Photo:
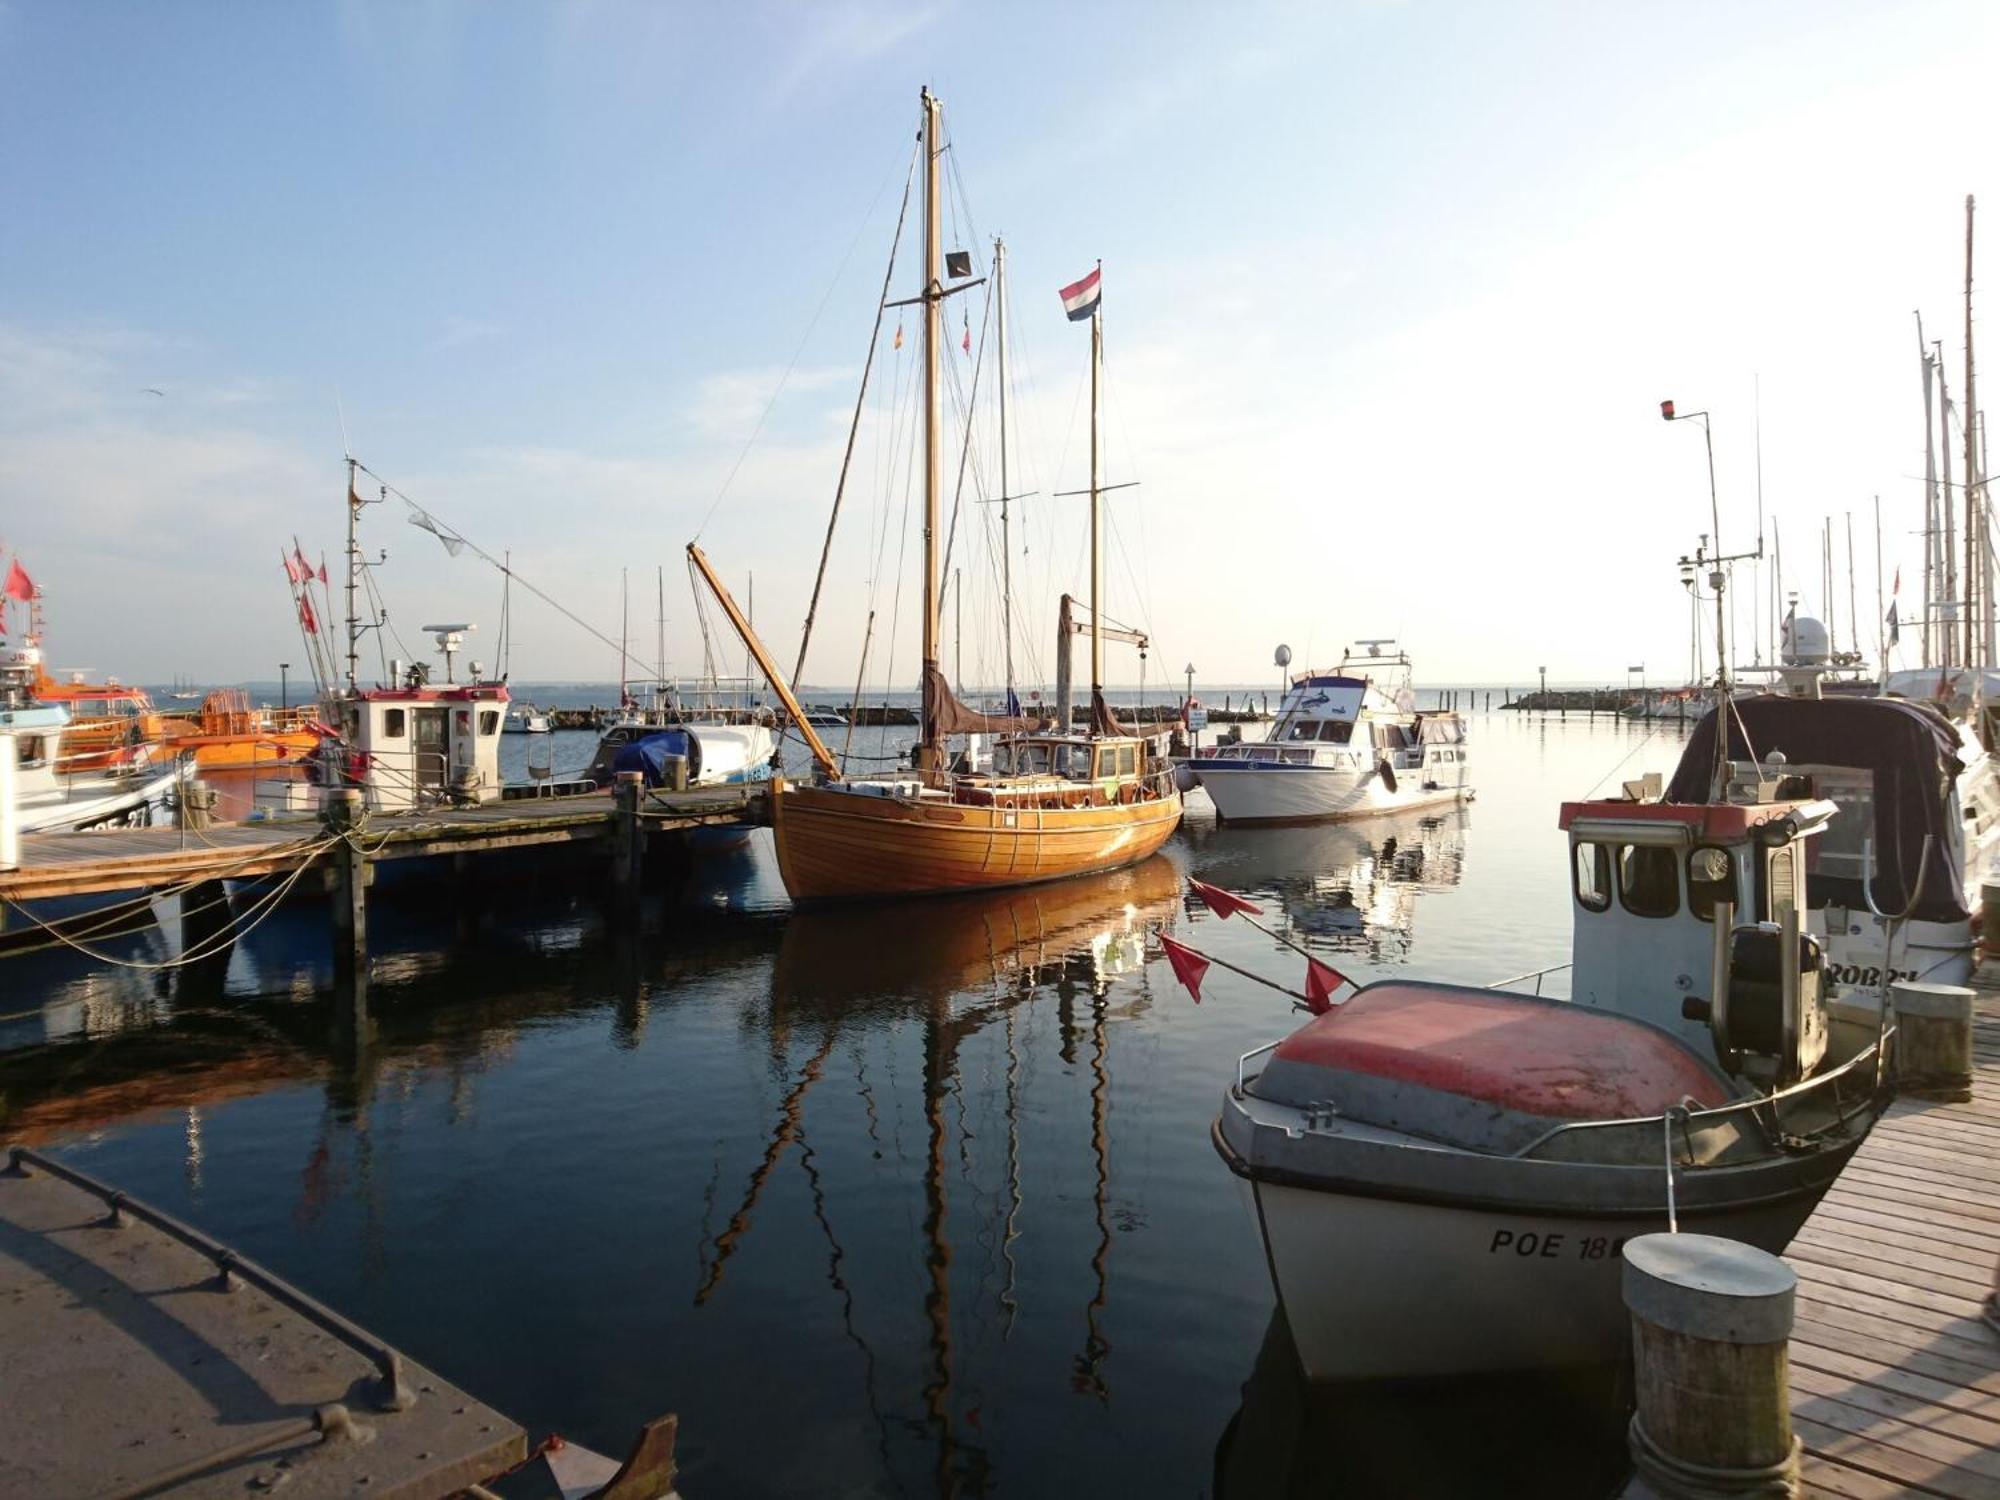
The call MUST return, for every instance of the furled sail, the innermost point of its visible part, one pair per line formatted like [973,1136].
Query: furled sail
[942,708]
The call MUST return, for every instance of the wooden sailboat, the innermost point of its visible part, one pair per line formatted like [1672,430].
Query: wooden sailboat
[1053,805]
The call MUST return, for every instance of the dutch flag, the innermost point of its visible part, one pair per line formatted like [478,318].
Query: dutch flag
[1080,298]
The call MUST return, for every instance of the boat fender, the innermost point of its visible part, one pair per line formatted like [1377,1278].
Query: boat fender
[1388,774]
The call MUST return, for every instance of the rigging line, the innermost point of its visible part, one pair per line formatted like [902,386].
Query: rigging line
[965,448]
[804,340]
[854,428]
[491,561]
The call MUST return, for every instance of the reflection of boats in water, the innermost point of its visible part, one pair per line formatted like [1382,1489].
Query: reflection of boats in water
[1351,886]
[1293,1441]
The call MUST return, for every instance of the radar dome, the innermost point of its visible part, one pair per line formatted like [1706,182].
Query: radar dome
[1803,642]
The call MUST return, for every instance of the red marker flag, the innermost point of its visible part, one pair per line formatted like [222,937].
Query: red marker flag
[308,621]
[968,335]
[1323,981]
[19,585]
[322,568]
[291,569]
[1189,966]
[1221,902]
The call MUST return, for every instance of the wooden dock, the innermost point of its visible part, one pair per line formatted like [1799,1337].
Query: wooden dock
[1895,1368]
[106,860]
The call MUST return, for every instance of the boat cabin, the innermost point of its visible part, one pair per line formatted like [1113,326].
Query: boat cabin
[421,745]
[1336,721]
[1041,770]
[1691,917]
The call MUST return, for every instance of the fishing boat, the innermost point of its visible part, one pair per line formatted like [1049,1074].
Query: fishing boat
[525,718]
[46,796]
[1347,744]
[226,733]
[1053,804]
[1444,1175]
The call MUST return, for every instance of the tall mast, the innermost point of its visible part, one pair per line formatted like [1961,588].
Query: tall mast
[1948,634]
[1930,502]
[1006,546]
[927,756]
[353,582]
[1975,499]
[1096,517]
[624,630]
[660,642]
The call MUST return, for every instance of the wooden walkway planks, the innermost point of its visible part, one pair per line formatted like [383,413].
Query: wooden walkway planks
[1895,1372]
[99,861]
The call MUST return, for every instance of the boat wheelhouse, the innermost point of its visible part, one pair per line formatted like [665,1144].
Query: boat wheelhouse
[420,745]
[1444,1176]
[1347,743]
[47,793]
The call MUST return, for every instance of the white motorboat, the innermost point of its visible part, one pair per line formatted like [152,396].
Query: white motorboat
[525,718]
[1347,744]
[715,725]
[46,799]
[1444,1176]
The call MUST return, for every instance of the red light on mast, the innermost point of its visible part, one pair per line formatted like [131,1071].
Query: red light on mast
[1667,410]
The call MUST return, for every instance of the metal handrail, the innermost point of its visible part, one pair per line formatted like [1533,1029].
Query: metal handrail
[1243,1061]
[393,1394]
[1535,974]
[1804,1086]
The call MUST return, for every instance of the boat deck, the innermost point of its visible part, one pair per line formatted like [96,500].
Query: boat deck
[132,1371]
[103,860]
[1895,1370]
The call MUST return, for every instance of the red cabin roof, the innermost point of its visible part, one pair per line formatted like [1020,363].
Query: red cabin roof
[1711,822]
[1538,1057]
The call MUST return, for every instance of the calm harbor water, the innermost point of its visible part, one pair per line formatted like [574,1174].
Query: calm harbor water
[908,1199]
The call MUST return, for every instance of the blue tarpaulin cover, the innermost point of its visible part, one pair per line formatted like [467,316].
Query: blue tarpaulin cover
[649,755]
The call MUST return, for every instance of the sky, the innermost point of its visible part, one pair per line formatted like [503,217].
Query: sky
[1392,293]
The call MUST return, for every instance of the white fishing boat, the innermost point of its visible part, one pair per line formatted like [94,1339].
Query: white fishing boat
[525,718]
[46,798]
[1348,743]
[1444,1175]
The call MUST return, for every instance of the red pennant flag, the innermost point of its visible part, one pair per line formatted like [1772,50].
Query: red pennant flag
[1221,902]
[19,585]
[1322,982]
[322,568]
[1189,966]
[899,337]
[305,568]
[307,619]
[968,335]
[291,569]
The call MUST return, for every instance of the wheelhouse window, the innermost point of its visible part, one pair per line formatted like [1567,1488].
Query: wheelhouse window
[395,723]
[1593,876]
[1649,881]
[1128,760]
[489,721]
[1711,881]
[1073,761]
[1306,729]
[1334,732]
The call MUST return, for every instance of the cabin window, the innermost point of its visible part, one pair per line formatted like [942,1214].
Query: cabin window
[1128,760]
[1711,880]
[489,721]
[395,723]
[1073,761]
[1593,877]
[1303,731]
[1649,880]
[1780,886]
[32,750]
[1336,733]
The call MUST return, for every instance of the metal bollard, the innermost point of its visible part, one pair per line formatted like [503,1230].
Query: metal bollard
[1933,1045]
[675,768]
[1710,1323]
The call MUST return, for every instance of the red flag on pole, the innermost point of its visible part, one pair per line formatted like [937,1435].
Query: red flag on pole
[1221,902]
[307,619]
[291,569]
[1189,966]
[19,585]
[1323,981]
[305,568]
[322,568]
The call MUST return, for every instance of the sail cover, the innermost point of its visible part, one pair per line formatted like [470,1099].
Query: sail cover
[1912,753]
[943,710]
[1102,719]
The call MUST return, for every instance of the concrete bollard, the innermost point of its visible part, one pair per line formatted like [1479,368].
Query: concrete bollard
[1710,1323]
[1933,1039]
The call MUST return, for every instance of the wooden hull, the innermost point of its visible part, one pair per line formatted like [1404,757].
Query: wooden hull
[841,845]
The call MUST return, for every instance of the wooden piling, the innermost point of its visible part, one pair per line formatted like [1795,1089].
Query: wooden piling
[1710,1321]
[1933,1040]
[675,768]
[344,812]
[628,843]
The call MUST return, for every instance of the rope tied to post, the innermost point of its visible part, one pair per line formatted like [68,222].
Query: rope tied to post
[1686,1480]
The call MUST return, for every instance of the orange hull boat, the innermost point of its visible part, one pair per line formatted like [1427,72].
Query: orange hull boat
[836,843]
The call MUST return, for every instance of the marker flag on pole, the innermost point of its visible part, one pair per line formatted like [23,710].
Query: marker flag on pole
[1080,298]
[19,585]
[308,621]
[322,568]
[1189,966]
[1221,902]
[292,574]
[1323,982]
[1894,629]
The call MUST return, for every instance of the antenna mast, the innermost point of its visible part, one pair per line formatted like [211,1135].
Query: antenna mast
[353,583]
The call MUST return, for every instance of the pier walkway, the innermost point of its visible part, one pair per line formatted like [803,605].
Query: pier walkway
[106,860]
[1895,1369]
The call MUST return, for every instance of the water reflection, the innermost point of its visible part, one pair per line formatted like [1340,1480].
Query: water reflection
[1553,1436]
[1344,887]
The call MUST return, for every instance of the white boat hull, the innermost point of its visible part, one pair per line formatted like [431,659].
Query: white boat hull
[1379,1288]
[1248,793]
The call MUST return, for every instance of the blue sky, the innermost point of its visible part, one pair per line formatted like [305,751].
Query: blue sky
[1392,294]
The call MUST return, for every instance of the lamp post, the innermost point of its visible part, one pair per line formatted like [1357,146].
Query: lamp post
[1187,707]
[1545,688]
[284,690]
